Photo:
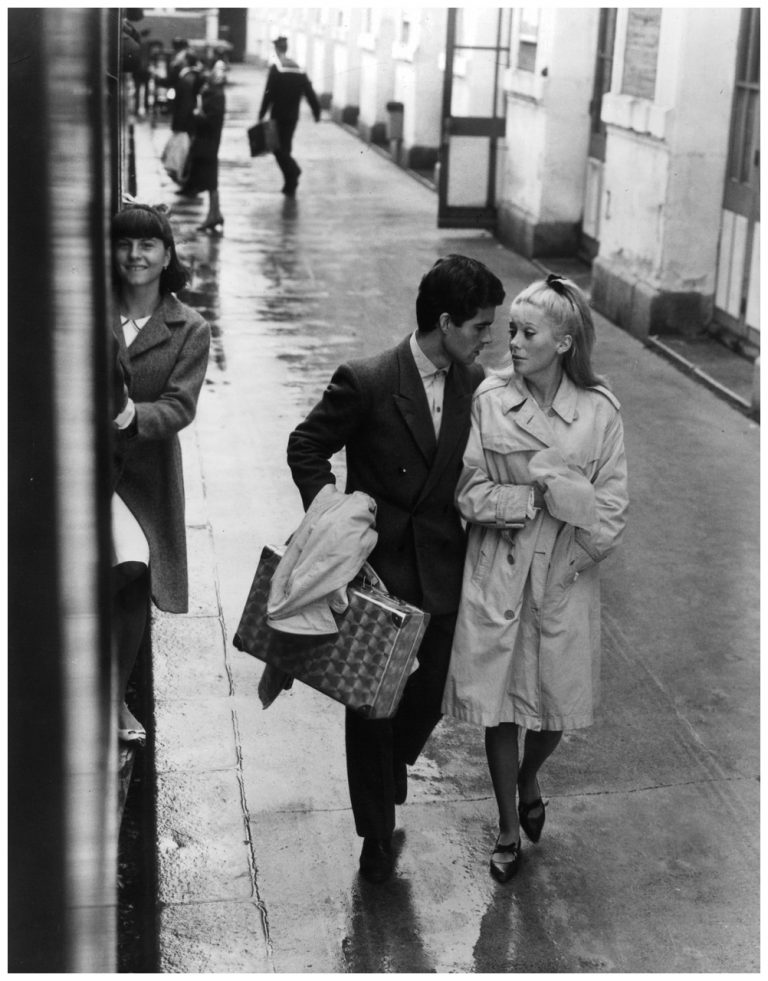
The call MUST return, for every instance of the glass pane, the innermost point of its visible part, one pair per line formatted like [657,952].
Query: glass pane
[478,85]
[749,132]
[742,54]
[754,59]
[526,56]
[469,157]
[641,51]
[737,128]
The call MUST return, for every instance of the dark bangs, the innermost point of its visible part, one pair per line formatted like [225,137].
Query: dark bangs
[138,221]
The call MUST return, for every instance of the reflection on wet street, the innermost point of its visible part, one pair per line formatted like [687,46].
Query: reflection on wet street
[291,289]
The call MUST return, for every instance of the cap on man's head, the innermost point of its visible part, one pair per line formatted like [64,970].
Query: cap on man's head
[281,43]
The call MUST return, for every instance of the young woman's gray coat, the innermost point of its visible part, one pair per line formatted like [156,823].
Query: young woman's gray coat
[167,364]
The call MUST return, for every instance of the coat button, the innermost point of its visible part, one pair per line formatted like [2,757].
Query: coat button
[509,614]
[511,558]
[402,470]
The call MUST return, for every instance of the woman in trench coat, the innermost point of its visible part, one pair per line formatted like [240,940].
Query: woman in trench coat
[544,492]
[164,350]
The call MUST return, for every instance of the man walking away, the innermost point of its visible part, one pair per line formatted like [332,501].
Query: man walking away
[286,84]
[403,417]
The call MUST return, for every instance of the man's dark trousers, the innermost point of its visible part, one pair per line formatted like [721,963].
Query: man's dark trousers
[374,746]
[286,163]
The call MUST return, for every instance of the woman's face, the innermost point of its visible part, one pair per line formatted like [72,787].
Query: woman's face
[140,261]
[534,342]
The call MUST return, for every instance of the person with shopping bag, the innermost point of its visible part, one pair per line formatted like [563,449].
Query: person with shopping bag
[286,85]
[403,418]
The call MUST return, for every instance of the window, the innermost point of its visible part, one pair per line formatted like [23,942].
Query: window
[641,52]
[405,29]
[743,151]
[528,39]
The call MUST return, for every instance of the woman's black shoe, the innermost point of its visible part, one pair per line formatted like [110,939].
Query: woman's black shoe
[531,823]
[217,226]
[505,860]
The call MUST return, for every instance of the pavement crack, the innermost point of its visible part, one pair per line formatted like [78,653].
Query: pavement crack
[251,850]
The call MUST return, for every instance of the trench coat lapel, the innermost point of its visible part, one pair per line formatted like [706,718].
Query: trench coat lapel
[530,418]
[411,402]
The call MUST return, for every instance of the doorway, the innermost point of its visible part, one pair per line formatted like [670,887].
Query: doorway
[737,290]
[473,119]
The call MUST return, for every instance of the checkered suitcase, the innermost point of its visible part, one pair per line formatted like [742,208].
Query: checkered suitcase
[365,666]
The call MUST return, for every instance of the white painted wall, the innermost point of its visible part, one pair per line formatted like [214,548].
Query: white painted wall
[377,75]
[665,160]
[418,82]
[548,118]
[346,60]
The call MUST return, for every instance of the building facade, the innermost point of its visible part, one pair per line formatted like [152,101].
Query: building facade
[628,136]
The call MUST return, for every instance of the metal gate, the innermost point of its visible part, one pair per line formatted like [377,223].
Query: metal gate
[737,293]
[473,124]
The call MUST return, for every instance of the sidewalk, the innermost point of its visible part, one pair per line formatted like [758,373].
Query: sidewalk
[652,827]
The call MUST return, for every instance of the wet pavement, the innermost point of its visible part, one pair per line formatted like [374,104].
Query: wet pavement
[649,859]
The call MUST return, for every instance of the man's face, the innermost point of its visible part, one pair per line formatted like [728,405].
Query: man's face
[463,344]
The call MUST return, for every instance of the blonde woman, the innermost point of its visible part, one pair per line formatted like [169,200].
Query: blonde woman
[544,492]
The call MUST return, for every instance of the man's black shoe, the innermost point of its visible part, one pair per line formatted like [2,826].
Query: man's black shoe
[401,782]
[376,860]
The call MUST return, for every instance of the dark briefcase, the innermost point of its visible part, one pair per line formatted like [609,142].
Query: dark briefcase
[263,138]
[365,666]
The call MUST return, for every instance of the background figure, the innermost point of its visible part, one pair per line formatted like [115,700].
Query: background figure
[188,81]
[544,492]
[164,349]
[203,167]
[180,47]
[141,75]
[286,84]
[158,72]
[403,417]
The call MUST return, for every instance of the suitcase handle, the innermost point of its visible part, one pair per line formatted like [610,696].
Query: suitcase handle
[368,577]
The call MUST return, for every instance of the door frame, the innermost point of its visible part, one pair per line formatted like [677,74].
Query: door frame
[492,128]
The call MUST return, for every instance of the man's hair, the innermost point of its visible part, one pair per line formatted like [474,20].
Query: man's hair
[458,286]
[281,44]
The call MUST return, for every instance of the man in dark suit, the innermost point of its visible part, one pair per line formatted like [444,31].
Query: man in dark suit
[403,417]
[286,84]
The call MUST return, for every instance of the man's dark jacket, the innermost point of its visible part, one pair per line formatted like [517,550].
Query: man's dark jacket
[378,410]
[286,84]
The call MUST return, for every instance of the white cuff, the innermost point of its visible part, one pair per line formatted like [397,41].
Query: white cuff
[125,418]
